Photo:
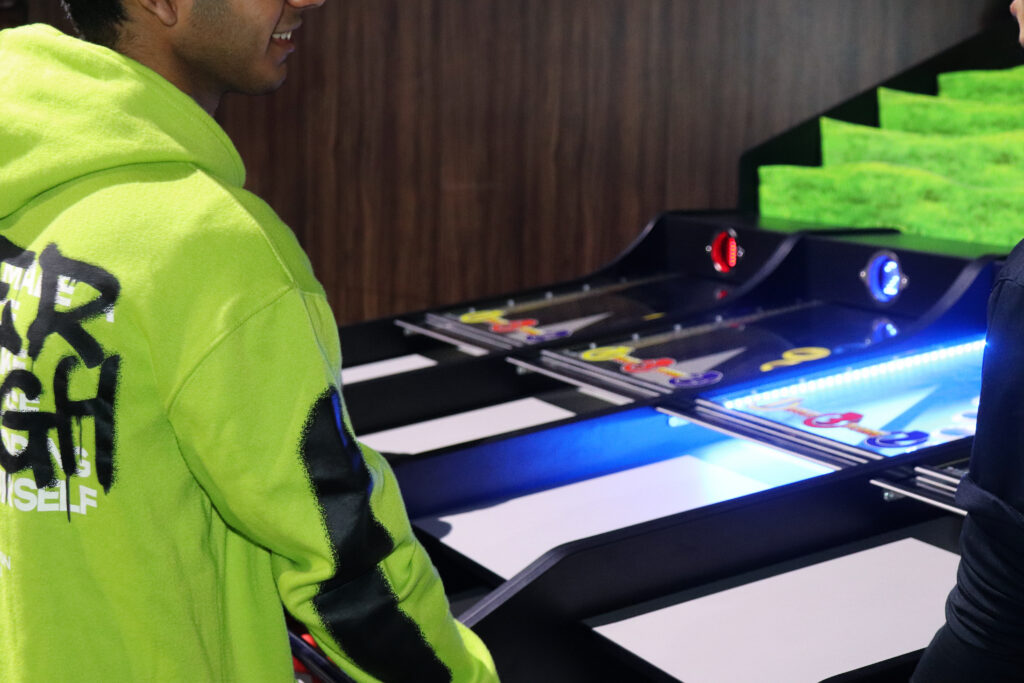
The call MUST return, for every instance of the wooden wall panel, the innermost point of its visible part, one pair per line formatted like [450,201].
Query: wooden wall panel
[13,13]
[427,151]
[598,120]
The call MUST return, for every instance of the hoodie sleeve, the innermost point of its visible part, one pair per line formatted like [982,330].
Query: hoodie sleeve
[983,638]
[262,425]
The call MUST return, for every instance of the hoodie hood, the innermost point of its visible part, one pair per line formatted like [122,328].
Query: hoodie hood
[69,108]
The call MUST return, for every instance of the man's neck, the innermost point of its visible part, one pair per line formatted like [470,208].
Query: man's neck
[150,48]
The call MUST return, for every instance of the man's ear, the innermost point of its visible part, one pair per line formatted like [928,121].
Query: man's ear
[167,12]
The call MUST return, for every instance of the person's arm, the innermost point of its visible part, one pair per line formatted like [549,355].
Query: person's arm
[983,639]
[263,428]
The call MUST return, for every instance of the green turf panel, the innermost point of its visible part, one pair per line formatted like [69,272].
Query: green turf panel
[1002,85]
[872,194]
[992,160]
[913,113]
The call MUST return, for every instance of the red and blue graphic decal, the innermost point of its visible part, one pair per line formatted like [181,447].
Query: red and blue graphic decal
[848,420]
[496,322]
[632,365]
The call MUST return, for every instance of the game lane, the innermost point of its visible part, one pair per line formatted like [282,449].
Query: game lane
[919,399]
[680,265]
[665,361]
[586,312]
[681,359]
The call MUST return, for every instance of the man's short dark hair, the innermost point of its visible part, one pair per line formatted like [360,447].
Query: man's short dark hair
[97,20]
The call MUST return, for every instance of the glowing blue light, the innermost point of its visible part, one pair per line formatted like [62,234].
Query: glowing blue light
[884,277]
[883,329]
[807,386]
[891,278]
[675,421]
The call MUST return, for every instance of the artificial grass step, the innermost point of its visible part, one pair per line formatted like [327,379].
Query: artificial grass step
[914,113]
[989,160]
[1001,85]
[872,194]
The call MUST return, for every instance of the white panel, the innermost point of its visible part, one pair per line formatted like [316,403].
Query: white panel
[804,625]
[474,424]
[506,537]
[383,368]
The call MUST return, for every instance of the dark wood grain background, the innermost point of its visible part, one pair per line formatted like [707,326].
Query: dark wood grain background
[427,151]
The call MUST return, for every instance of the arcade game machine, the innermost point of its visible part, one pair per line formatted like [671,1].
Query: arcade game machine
[728,530]
[580,517]
[801,581]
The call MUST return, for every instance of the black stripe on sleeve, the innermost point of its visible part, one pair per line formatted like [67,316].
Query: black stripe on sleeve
[358,606]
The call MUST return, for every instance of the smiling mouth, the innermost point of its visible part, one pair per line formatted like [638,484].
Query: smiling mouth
[287,35]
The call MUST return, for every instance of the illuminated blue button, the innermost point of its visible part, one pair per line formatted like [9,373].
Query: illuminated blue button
[884,277]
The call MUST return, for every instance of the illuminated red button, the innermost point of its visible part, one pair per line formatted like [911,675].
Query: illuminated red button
[725,251]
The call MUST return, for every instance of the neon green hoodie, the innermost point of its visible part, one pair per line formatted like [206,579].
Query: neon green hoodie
[175,459]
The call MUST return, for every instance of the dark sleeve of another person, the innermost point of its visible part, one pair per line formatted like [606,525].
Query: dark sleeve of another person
[983,639]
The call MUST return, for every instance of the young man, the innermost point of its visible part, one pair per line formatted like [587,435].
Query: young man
[176,461]
[983,639]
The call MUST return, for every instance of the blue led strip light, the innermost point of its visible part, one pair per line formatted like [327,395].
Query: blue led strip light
[804,387]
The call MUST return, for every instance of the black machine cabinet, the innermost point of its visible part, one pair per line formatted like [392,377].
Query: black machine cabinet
[540,608]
